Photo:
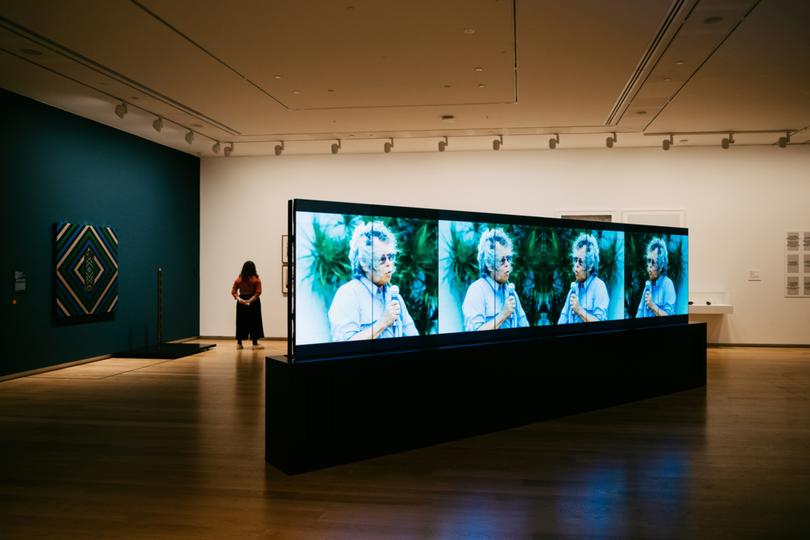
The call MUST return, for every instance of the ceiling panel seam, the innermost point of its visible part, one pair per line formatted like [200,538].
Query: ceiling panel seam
[209,53]
[286,107]
[700,66]
[77,57]
[647,63]
[403,106]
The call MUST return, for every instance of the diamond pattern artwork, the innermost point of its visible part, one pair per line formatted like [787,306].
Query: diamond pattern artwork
[86,270]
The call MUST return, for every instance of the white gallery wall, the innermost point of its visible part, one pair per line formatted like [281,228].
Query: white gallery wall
[738,204]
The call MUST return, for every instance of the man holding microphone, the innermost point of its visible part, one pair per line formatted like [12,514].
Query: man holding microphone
[588,297]
[659,295]
[491,301]
[368,306]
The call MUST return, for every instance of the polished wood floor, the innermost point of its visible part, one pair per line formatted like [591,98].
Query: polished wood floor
[174,450]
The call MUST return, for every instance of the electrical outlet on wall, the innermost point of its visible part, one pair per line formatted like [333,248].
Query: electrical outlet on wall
[754,275]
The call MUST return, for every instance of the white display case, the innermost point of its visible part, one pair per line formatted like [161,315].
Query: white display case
[719,303]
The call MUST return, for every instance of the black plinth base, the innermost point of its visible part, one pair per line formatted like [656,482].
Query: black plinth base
[326,412]
[167,351]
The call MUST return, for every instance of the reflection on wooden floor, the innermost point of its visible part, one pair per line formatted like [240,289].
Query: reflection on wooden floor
[175,450]
[99,370]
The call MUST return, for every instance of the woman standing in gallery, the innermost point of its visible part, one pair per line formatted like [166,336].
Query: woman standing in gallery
[246,291]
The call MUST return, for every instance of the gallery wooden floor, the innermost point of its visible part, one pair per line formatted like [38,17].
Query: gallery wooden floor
[135,449]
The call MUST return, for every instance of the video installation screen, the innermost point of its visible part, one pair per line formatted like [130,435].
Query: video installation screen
[498,276]
[656,274]
[365,273]
[361,277]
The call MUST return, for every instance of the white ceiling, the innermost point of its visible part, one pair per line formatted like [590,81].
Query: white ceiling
[257,72]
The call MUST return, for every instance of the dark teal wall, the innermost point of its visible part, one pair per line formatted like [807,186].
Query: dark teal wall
[59,167]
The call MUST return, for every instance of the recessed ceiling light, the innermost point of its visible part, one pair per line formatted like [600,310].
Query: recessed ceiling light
[277,77]
[667,79]
[447,86]
[481,85]
[679,62]
[31,52]
[448,118]
[469,31]
[712,20]
[296,92]
[330,89]
[641,112]
[479,69]
[683,140]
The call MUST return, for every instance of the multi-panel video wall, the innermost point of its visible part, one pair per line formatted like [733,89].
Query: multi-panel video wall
[370,277]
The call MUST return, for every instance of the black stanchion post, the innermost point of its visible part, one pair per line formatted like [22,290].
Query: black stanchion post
[159,306]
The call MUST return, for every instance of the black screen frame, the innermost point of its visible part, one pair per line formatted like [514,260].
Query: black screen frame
[337,350]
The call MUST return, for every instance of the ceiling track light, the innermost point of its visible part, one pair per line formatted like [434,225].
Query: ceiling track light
[388,146]
[726,141]
[279,148]
[228,150]
[190,137]
[158,124]
[337,146]
[497,143]
[215,148]
[610,141]
[121,110]
[443,144]
[554,141]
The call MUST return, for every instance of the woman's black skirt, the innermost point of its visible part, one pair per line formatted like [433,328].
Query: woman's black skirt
[249,319]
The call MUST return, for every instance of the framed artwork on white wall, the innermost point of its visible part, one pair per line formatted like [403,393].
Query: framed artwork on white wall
[603,216]
[285,280]
[285,249]
[665,218]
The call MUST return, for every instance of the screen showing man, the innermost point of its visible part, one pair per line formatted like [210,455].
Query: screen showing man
[657,274]
[369,306]
[588,297]
[659,296]
[491,302]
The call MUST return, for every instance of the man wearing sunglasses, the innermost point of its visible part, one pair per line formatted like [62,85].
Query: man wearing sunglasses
[491,301]
[588,298]
[659,295]
[368,306]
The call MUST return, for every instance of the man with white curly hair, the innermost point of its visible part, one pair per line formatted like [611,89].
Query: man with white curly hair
[659,295]
[491,301]
[588,297]
[368,306]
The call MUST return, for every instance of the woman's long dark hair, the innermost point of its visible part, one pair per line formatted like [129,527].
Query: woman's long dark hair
[248,271]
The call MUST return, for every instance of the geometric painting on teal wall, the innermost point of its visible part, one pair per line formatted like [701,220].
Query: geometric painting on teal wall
[86,270]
